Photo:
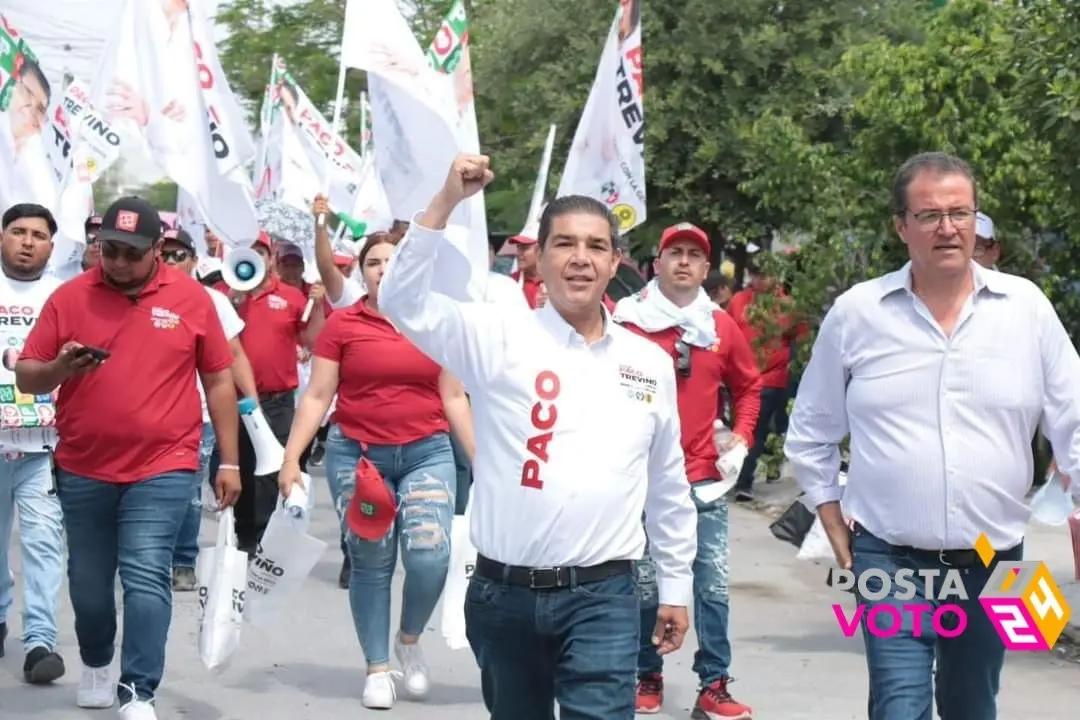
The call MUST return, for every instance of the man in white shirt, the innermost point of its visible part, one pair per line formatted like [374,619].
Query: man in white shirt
[178,250]
[28,433]
[581,435]
[940,372]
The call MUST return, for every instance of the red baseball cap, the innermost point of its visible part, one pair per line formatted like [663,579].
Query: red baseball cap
[342,260]
[685,231]
[373,507]
[522,240]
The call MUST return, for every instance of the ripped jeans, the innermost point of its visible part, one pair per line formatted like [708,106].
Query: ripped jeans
[711,608]
[423,477]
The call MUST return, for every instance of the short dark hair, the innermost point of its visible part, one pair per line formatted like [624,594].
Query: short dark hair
[29,210]
[31,67]
[576,205]
[714,281]
[934,162]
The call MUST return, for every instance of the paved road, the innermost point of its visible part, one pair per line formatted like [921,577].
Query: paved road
[791,662]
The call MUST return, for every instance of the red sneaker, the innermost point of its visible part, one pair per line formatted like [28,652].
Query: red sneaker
[715,703]
[650,694]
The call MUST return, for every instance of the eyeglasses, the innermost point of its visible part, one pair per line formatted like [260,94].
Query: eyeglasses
[930,219]
[112,251]
[682,358]
[175,256]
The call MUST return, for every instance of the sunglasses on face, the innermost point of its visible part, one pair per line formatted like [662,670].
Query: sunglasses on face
[175,256]
[112,251]
[682,358]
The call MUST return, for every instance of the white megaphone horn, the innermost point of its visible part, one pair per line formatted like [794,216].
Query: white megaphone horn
[269,455]
[243,269]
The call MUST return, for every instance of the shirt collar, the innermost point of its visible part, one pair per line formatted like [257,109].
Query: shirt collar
[271,286]
[165,274]
[988,280]
[562,331]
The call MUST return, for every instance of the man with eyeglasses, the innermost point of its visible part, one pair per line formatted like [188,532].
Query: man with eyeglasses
[92,254]
[709,353]
[178,250]
[987,251]
[122,342]
[939,372]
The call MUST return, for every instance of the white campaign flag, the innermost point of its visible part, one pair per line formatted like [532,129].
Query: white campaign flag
[414,123]
[449,55]
[153,80]
[607,157]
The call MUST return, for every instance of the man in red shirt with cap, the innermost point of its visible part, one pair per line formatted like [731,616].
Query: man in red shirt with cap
[527,276]
[774,358]
[122,342]
[709,353]
[273,329]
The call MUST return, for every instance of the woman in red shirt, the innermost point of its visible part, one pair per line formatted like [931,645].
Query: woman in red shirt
[395,407]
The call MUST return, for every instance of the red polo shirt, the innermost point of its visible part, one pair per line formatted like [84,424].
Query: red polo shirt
[139,414]
[388,391]
[775,356]
[728,363]
[273,327]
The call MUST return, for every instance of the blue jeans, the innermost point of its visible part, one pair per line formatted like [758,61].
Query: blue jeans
[421,474]
[187,541]
[773,418]
[26,486]
[968,666]
[711,600]
[577,645]
[131,528]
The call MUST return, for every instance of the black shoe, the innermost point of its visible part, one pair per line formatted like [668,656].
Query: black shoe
[42,666]
[3,637]
[317,455]
[346,571]
[743,496]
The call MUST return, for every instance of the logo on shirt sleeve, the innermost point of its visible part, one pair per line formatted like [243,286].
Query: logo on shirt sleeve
[164,319]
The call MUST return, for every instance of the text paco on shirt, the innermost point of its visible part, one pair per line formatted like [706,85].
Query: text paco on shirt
[578,439]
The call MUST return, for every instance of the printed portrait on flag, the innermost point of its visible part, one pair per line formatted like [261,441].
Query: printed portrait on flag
[28,110]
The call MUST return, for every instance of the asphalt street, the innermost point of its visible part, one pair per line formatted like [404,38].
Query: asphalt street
[790,660]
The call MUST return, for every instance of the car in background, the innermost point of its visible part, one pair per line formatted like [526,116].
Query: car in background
[627,281]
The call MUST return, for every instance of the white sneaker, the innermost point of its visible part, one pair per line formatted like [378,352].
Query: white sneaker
[414,668]
[379,691]
[138,710]
[96,690]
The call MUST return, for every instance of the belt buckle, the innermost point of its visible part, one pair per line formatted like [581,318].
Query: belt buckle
[543,578]
[942,558]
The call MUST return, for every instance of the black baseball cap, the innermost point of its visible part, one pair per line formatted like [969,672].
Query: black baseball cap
[132,221]
[179,235]
[92,223]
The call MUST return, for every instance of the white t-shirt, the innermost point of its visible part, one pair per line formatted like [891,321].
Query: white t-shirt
[231,324]
[27,422]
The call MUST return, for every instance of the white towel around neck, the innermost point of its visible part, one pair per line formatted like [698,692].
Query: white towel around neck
[652,312]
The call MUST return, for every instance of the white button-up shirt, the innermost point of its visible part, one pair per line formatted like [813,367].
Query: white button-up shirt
[575,440]
[941,427]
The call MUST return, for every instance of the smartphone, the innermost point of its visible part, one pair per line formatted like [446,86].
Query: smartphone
[98,354]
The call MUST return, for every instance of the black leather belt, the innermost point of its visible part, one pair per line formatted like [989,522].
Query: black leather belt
[551,578]
[962,559]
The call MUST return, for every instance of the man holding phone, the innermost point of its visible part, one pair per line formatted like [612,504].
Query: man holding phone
[122,342]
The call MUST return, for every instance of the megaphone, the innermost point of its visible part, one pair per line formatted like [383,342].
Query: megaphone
[243,269]
[269,455]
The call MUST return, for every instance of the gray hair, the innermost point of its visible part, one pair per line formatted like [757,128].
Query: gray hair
[938,163]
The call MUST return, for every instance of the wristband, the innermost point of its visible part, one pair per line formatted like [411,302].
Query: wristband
[229,467]
[247,405]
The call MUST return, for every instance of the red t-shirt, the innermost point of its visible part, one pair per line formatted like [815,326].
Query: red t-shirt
[728,363]
[775,356]
[139,414]
[388,391]
[273,327]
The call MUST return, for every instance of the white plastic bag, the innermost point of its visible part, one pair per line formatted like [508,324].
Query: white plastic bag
[462,564]
[285,557]
[221,572]
[1053,504]
[815,546]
